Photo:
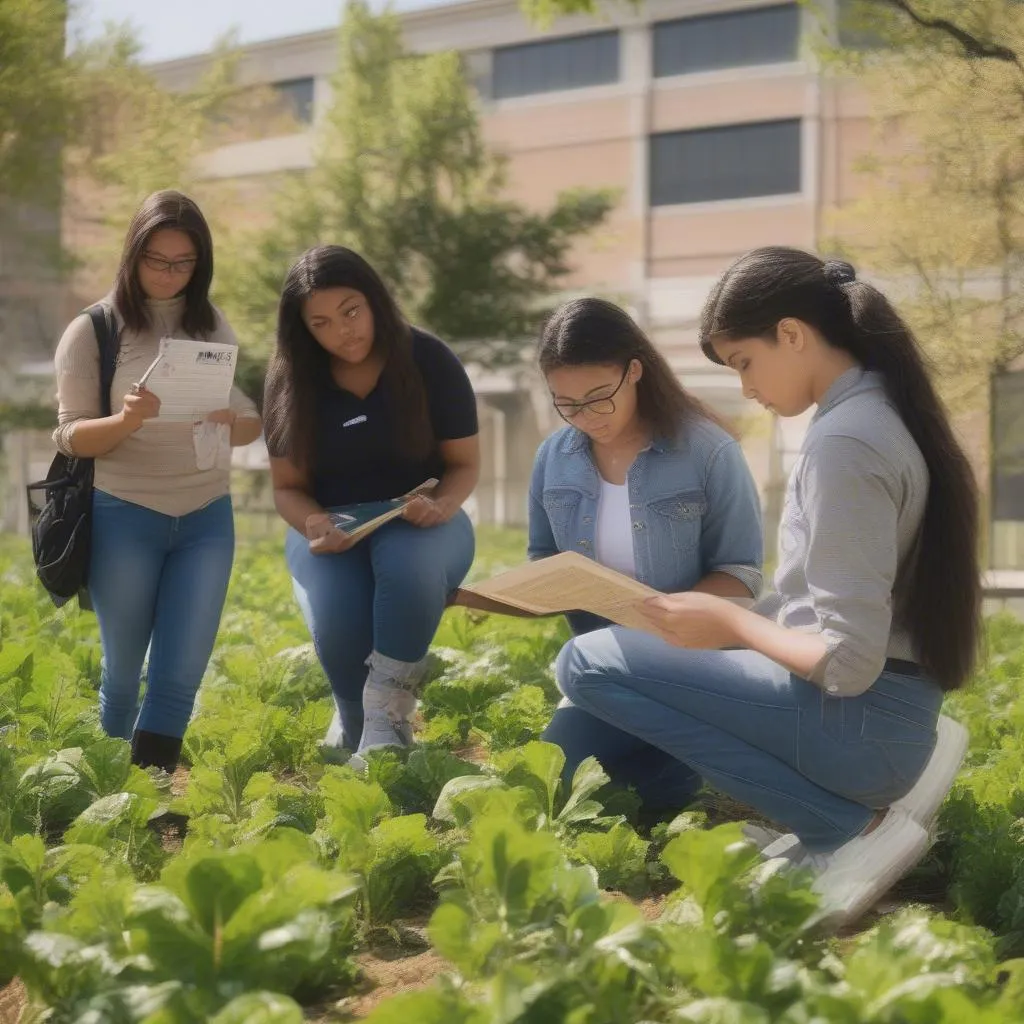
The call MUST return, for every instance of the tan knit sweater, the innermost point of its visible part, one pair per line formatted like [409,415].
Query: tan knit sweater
[156,466]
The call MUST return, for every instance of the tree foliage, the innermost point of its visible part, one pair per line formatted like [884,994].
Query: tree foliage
[944,206]
[37,100]
[403,175]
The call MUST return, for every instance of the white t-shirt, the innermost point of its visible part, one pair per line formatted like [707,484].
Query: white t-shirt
[614,540]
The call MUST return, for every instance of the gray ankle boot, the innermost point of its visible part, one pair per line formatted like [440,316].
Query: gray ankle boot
[389,701]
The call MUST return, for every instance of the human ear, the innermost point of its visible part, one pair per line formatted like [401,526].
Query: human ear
[792,334]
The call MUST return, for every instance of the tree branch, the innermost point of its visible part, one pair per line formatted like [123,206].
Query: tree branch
[972,45]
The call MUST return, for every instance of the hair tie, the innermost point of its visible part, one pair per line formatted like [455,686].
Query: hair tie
[839,272]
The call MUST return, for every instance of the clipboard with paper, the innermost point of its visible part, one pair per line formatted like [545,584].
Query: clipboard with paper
[192,378]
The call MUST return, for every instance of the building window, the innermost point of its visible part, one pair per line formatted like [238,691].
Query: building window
[297,95]
[736,161]
[555,64]
[1007,543]
[765,35]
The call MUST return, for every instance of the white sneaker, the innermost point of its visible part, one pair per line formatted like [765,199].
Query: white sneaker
[761,836]
[853,877]
[922,803]
[787,846]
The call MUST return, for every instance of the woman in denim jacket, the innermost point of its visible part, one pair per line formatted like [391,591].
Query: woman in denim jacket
[821,708]
[645,481]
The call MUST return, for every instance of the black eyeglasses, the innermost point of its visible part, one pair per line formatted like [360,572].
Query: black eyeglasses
[166,266]
[603,406]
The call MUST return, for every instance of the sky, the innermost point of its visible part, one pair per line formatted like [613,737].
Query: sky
[176,28]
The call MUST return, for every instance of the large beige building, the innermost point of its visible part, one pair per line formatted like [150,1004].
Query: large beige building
[710,118]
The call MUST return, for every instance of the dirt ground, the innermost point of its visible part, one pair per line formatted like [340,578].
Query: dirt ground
[12,1003]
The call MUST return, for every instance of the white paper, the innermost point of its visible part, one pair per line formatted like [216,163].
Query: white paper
[193,378]
[212,445]
[571,582]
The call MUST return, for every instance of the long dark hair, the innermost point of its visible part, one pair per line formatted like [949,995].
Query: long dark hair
[167,209]
[594,332]
[300,365]
[940,599]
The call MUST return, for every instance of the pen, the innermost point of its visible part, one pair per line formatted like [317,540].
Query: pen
[152,366]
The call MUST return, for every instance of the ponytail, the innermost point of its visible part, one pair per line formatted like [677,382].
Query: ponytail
[939,597]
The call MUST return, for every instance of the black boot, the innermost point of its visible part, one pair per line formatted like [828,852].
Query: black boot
[151,748]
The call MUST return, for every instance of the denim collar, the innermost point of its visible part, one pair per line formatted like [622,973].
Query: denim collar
[576,441]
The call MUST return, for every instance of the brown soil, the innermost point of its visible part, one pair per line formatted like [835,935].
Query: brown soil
[388,967]
[650,906]
[179,780]
[12,1002]
[475,752]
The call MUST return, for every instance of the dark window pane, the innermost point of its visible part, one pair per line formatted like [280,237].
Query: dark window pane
[556,64]
[767,35]
[298,95]
[1008,446]
[726,162]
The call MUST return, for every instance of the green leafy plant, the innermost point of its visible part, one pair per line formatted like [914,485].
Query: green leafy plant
[220,924]
[119,824]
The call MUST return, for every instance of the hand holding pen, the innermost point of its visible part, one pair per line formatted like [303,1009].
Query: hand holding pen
[141,404]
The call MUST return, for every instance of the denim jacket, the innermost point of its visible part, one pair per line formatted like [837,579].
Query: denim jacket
[693,503]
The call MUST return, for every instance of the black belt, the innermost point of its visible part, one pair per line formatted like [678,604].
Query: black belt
[900,667]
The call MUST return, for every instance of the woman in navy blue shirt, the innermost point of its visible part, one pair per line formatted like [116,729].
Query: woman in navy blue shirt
[359,407]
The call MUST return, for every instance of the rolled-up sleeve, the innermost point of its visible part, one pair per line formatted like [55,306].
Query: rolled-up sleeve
[850,497]
[732,537]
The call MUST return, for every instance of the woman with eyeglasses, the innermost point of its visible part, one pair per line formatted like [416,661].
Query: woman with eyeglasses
[644,480]
[162,528]
[821,707]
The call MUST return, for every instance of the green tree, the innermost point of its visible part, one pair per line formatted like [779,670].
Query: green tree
[944,208]
[544,12]
[37,103]
[403,175]
[86,132]
[139,137]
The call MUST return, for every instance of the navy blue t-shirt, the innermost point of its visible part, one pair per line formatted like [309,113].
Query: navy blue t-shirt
[357,457]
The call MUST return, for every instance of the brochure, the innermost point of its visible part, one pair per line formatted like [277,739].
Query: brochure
[360,520]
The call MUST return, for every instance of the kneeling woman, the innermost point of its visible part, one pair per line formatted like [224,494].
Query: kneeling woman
[643,480]
[359,407]
[824,716]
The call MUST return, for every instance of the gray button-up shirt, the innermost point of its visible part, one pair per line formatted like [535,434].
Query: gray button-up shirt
[853,511]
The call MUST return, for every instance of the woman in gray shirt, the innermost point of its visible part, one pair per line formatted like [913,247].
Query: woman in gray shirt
[823,713]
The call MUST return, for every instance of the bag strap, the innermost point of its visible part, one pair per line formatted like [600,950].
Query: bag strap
[105,325]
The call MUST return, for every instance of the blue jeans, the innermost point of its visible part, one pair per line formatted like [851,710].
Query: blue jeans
[157,582]
[661,781]
[387,594]
[819,765]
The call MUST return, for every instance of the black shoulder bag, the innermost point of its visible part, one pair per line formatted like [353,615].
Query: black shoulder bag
[62,525]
